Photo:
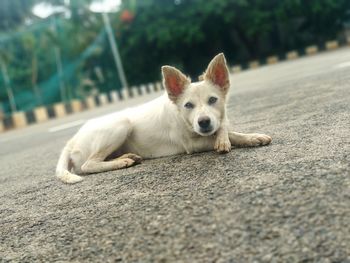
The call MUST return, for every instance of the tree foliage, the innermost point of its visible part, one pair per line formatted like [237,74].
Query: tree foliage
[14,12]
[188,32]
[151,33]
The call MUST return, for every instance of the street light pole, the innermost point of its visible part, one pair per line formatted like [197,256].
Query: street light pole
[115,51]
[58,61]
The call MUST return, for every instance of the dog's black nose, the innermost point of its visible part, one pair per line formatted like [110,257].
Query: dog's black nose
[204,122]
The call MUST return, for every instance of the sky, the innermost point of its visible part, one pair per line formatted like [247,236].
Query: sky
[44,10]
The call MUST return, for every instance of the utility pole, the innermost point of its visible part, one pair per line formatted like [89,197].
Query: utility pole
[58,61]
[115,51]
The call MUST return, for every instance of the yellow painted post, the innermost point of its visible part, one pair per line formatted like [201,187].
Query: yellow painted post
[103,99]
[254,64]
[76,106]
[19,119]
[236,69]
[151,87]
[311,50]
[292,55]
[159,86]
[59,110]
[272,60]
[90,102]
[41,114]
[114,96]
[331,45]
[125,93]
[2,126]
[143,89]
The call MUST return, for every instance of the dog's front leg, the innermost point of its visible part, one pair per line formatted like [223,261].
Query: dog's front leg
[252,139]
[222,140]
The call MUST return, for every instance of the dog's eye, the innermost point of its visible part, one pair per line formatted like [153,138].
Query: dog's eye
[212,100]
[189,105]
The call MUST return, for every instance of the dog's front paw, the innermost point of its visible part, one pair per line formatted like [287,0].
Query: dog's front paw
[222,145]
[259,139]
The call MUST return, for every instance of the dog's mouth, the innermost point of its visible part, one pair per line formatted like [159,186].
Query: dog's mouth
[206,131]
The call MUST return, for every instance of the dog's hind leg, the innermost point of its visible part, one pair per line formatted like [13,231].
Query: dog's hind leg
[110,140]
[135,157]
[251,139]
[98,166]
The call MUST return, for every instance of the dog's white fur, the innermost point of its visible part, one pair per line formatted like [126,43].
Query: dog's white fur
[185,120]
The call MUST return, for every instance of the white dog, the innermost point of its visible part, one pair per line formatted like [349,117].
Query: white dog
[191,117]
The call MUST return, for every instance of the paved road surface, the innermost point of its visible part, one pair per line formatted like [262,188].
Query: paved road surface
[287,202]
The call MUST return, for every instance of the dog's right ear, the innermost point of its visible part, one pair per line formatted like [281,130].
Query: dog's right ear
[174,81]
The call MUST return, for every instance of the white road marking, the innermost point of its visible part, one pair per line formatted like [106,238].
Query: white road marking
[66,126]
[343,65]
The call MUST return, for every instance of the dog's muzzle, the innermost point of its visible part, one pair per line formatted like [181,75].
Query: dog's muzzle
[205,126]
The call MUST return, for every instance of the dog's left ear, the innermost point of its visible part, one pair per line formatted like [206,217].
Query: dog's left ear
[174,81]
[217,73]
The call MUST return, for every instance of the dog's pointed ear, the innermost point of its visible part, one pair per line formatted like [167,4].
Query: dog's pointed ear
[217,72]
[174,81]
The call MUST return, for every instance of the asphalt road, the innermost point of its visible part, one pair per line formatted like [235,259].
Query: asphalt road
[287,202]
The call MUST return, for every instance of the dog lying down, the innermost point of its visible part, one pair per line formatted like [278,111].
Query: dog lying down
[190,117]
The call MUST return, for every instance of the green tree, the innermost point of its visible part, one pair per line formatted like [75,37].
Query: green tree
[14,12]
[151,33]
[187,33]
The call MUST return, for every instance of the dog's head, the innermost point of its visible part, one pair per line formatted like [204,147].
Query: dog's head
[201,104]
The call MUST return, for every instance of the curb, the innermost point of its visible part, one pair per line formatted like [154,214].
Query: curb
[290,55]
[44,113]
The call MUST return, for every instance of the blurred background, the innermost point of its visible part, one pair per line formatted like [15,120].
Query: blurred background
[58,50]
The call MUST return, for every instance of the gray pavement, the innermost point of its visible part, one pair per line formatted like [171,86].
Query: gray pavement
[287,202]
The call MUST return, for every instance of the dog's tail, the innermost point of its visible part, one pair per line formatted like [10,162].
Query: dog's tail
[62,169]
